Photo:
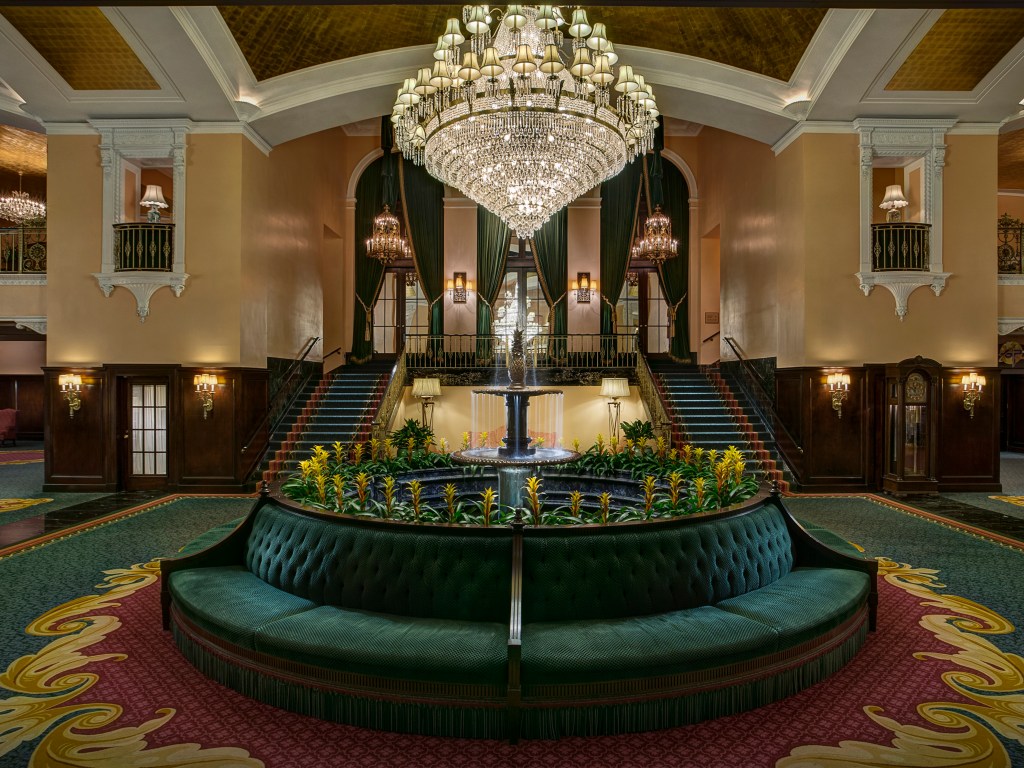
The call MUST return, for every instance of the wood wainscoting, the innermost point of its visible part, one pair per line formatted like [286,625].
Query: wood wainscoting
[24,393]
[143,426]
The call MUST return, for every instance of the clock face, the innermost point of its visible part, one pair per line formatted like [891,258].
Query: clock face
[1011,353]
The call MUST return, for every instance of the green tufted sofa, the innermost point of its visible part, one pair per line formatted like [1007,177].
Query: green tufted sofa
[509,632]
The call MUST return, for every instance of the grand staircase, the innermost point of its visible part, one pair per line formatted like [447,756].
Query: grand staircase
[341,406]
[709,410]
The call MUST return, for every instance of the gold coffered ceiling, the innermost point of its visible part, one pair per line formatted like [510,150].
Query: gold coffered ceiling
[22,151]
[276,40]
[82,46]
[959,50]
[1011,160]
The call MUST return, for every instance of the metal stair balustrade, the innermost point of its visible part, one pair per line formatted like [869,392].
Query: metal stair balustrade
[706,413]
[339,408]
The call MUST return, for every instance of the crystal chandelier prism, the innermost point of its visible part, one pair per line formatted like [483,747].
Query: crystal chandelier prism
[525,120]
[19,208]
[657,244]
[386,243]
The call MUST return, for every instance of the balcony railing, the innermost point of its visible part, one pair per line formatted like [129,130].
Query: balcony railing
[900,247]
[1009,237]
[23,250]
[585,350]
[144,247]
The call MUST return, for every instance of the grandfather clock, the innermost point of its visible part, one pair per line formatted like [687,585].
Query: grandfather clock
[912,389]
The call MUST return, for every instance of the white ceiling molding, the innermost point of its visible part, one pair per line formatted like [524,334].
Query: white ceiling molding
[1010,324]
[811,126]
[829,46]
[239,128]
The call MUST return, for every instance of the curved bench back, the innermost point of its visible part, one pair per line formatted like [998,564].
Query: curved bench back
[445,574]
[608,573]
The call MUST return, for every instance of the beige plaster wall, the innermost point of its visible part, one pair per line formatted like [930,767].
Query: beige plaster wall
[23,300]
[1012,204]
[737,183]
[845,327]
[584,255]
[459,256]
[22,357]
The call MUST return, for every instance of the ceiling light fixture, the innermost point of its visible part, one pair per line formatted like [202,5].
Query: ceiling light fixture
[521,122]
[386,243]
[657,244]
[19,208]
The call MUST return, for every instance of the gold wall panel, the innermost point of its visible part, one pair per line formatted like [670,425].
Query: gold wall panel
[276,40]
[959,50]
[1011,160]
[83,46]
[23,151]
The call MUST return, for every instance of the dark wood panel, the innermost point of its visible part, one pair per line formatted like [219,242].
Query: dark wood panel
[969,447]
[76,447]
[1013,410]
[208,454]
[789,407]
[835,450]
[24,393]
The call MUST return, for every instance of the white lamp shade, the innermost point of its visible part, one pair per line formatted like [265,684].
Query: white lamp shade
[614,387]
[893,198]
[426,387]
[154,197]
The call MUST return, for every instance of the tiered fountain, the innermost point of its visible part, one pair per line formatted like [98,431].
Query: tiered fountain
[516,457]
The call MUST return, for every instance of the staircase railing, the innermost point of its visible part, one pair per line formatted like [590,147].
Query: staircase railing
[753,387]
[651,397]
[290,388]
[545,350]
[389,402]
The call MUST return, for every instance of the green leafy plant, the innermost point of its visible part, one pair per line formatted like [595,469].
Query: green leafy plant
[412,433]
[639,432]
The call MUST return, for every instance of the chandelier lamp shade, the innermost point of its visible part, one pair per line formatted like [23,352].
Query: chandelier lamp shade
[387,244]
[893,203]
[154,201]
[19,208]
[657,244]
[525,117]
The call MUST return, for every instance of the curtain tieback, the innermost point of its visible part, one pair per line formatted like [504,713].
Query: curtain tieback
[672,317]
[368,325]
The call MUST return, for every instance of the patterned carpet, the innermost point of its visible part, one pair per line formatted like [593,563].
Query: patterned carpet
[21,457]
[100,685]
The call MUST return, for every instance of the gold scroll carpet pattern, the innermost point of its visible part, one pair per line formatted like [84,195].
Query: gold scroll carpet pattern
[13,505]
[49,703]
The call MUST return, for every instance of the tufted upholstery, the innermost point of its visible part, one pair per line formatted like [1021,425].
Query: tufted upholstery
[443,575]
[654,569]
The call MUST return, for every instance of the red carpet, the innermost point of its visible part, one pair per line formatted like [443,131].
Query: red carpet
[177,717]
[20,457]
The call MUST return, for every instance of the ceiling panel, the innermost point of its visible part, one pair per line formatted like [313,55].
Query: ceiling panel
[276,40]
[1011,160]
[82,46]
[959,50]
[22,151]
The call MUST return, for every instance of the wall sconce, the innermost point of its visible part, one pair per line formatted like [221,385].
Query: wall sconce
[583,287]
[154,200]
[973,386]
[894,203]
[614,389]
[839,386]
[426,390]
[459,287]
[206,384]
[70,386]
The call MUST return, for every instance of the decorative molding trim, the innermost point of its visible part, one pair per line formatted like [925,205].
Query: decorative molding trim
[1010,324]
[69,129]
[1011,192]
[902,284]
[35,323]
[362,165]
[142,285]
[22,279]
[234,128]
[1010,280]
[975,129]
[814,126]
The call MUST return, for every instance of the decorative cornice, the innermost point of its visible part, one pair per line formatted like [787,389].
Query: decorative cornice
[813,126]
[234,128]
[35,323]
[69,129]
[22,279]
[902,284]
[975,129]
[1010,280]
[142,285]
[1010,324]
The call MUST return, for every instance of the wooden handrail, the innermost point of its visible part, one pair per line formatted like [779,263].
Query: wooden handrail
[651,396]
[277,400]
[709,338]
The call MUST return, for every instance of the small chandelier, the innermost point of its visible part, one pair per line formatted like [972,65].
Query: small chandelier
[657,244]
[19,208]
[524,121]
[386,244]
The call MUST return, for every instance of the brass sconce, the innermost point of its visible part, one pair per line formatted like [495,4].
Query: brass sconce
[205,383]
[582,287]
[459,287]
[839,386]
[70,386]
[973,385]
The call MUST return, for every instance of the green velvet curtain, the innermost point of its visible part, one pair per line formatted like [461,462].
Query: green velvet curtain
[675,273]
[492,242]
[423,207]
[369,272]
[620,196]
[551,256]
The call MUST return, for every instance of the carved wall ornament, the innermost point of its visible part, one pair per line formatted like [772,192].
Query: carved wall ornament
[915,391]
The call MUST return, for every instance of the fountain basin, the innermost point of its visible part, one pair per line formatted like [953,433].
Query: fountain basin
[493,457]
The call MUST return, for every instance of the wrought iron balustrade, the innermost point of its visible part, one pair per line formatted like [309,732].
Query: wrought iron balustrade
[1009,238]
[901,247]
[576,350]
[23,250]
[141,246]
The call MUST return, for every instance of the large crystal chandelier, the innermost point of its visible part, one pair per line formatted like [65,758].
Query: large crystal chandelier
[657,244]
[19,208]
[521,122]
[386,243]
